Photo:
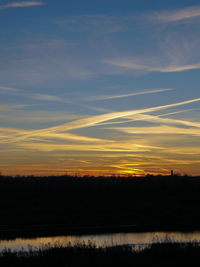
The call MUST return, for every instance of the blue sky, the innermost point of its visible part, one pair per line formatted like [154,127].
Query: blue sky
[99,87]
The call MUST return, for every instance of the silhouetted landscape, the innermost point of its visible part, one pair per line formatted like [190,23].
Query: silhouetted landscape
[48,206]
[176,254]
[58,205]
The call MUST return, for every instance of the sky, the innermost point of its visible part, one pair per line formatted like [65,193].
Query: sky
[99,87]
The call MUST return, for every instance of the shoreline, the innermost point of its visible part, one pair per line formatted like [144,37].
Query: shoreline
[157,254]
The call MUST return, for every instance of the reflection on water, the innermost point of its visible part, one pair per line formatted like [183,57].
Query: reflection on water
[101,240]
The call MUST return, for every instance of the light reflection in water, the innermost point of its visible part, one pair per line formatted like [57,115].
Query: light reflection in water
[102,240]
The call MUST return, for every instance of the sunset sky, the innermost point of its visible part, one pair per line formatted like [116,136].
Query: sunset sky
[99,87]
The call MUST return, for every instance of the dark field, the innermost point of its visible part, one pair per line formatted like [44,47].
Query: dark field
[169,254]
[31,205]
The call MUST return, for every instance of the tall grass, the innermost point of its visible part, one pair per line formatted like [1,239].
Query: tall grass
[82,254]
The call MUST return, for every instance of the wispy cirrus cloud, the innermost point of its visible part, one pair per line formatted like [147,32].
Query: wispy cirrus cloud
[51,132]
[32,116]
[8,89]
[178,14]
[45,97]
[106,147]
[14,135]
[131,64]
[59,138]
[156,119]
[95,120]
[45,60]
[21,4]
[37,96]
[168,121]
[131,94]
[93,24]
[163,129]
[10,107]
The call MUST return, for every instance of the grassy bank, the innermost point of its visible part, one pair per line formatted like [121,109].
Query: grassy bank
[169,254]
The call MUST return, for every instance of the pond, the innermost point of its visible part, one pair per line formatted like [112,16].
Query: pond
[100,240]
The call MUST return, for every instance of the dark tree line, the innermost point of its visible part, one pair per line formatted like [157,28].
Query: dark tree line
[67,203]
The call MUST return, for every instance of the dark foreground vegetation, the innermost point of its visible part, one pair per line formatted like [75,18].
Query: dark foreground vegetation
[58,205]
[169,254]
